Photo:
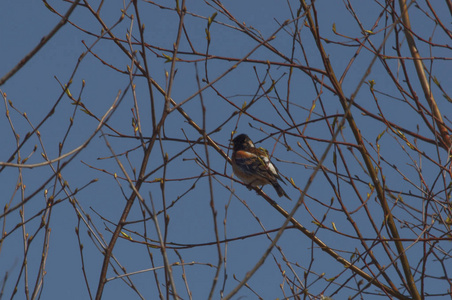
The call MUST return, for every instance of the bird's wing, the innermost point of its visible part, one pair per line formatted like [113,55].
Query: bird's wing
[254,163]
[262,153]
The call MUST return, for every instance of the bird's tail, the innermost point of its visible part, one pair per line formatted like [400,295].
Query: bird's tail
[280,190]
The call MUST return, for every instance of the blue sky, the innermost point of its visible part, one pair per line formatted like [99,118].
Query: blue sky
[35,89]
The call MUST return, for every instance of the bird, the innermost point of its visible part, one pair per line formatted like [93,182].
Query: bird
[253,166]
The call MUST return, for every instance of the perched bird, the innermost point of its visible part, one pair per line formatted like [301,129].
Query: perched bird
[253,166]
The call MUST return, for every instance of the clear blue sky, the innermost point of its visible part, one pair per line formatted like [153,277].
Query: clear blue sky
[35,89]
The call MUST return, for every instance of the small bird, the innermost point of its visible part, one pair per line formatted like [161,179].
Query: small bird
[253,166]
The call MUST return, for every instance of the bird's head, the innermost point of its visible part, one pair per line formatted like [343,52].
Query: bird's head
[242,142]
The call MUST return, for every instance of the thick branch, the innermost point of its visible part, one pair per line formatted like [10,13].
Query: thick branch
[422,77]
